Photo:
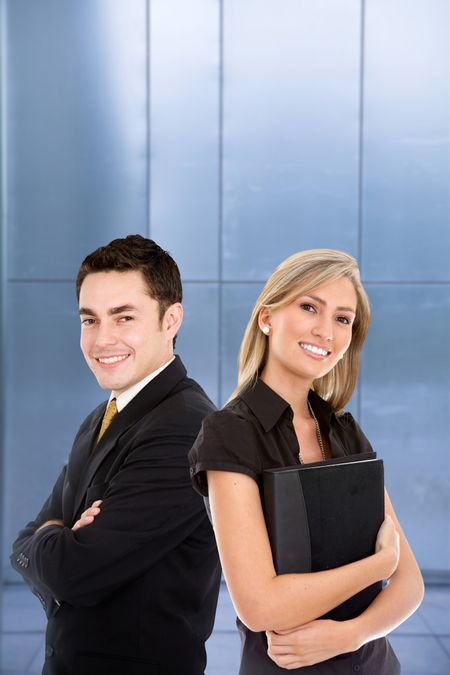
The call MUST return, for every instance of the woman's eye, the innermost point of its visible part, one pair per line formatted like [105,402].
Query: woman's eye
[343,319]
[306,306]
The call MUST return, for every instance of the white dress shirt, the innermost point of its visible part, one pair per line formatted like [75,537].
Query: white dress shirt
[126,396]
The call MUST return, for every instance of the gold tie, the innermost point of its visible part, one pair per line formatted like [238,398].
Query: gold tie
[110,413]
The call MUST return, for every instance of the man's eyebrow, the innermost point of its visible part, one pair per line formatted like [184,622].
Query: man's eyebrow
[340,309]
[114,310]
[121,309]
[87,311]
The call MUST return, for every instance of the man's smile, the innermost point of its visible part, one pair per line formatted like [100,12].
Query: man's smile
[111,360]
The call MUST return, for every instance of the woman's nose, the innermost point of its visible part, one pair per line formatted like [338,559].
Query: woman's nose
[324,329]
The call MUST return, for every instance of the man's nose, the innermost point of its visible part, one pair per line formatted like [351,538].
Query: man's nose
[106,334]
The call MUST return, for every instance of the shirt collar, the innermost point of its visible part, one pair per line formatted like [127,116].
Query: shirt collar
[268,406]
[126,396]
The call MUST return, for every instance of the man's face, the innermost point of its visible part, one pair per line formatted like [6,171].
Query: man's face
[122,337]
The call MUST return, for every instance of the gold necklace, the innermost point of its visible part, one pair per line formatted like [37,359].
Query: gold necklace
[318,435]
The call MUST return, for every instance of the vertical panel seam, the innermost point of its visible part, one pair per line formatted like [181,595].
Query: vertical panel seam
[148,114]
[220,206]
[361,129]
[361,168]
[3,277]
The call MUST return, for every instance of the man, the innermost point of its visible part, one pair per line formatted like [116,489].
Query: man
[122,554]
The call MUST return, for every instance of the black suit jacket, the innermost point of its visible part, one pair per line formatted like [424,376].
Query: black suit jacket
[135,592]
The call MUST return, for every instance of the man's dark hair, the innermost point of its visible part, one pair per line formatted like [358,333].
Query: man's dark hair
[134,252]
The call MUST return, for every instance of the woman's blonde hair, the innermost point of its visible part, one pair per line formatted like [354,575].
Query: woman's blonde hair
[299,275]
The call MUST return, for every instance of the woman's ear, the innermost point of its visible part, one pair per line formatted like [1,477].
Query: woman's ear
[264,319]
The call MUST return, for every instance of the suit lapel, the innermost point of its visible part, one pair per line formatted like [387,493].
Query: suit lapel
[79,458]
[147,399]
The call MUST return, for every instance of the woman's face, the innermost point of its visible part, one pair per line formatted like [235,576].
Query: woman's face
[309,336]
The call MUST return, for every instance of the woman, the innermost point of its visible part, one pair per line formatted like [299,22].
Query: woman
[298,367]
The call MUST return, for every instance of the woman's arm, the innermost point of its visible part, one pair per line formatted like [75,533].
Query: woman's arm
[263,600]
[398,600]
[322,639]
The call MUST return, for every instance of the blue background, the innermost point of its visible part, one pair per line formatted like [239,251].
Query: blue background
[234,133]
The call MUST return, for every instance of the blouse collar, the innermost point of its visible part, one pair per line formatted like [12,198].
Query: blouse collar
[269,407]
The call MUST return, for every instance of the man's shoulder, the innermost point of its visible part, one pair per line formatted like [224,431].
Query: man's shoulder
[189,399]
[179,413]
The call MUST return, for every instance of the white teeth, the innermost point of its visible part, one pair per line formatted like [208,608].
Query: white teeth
[313,349]
[112,359]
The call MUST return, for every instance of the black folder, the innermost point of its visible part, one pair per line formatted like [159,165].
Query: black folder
[323,515]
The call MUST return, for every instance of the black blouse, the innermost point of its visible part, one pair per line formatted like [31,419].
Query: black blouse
[255,432]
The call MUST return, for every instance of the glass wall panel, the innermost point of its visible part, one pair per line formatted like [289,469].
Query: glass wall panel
[290,131]
[75,128]
[197,343]
[406,214]
[184,113]
[405,404]
[24,627]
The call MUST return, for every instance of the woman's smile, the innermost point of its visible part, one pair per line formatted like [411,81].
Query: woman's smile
[315,351]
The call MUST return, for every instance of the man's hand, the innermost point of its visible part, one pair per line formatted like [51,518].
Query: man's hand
[311,643]
[56,521]
[88,516]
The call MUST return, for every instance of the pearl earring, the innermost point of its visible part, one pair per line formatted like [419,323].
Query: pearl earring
[266,330]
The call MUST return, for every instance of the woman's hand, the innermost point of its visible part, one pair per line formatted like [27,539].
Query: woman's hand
[88,516]
[311,643]
[388,540]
